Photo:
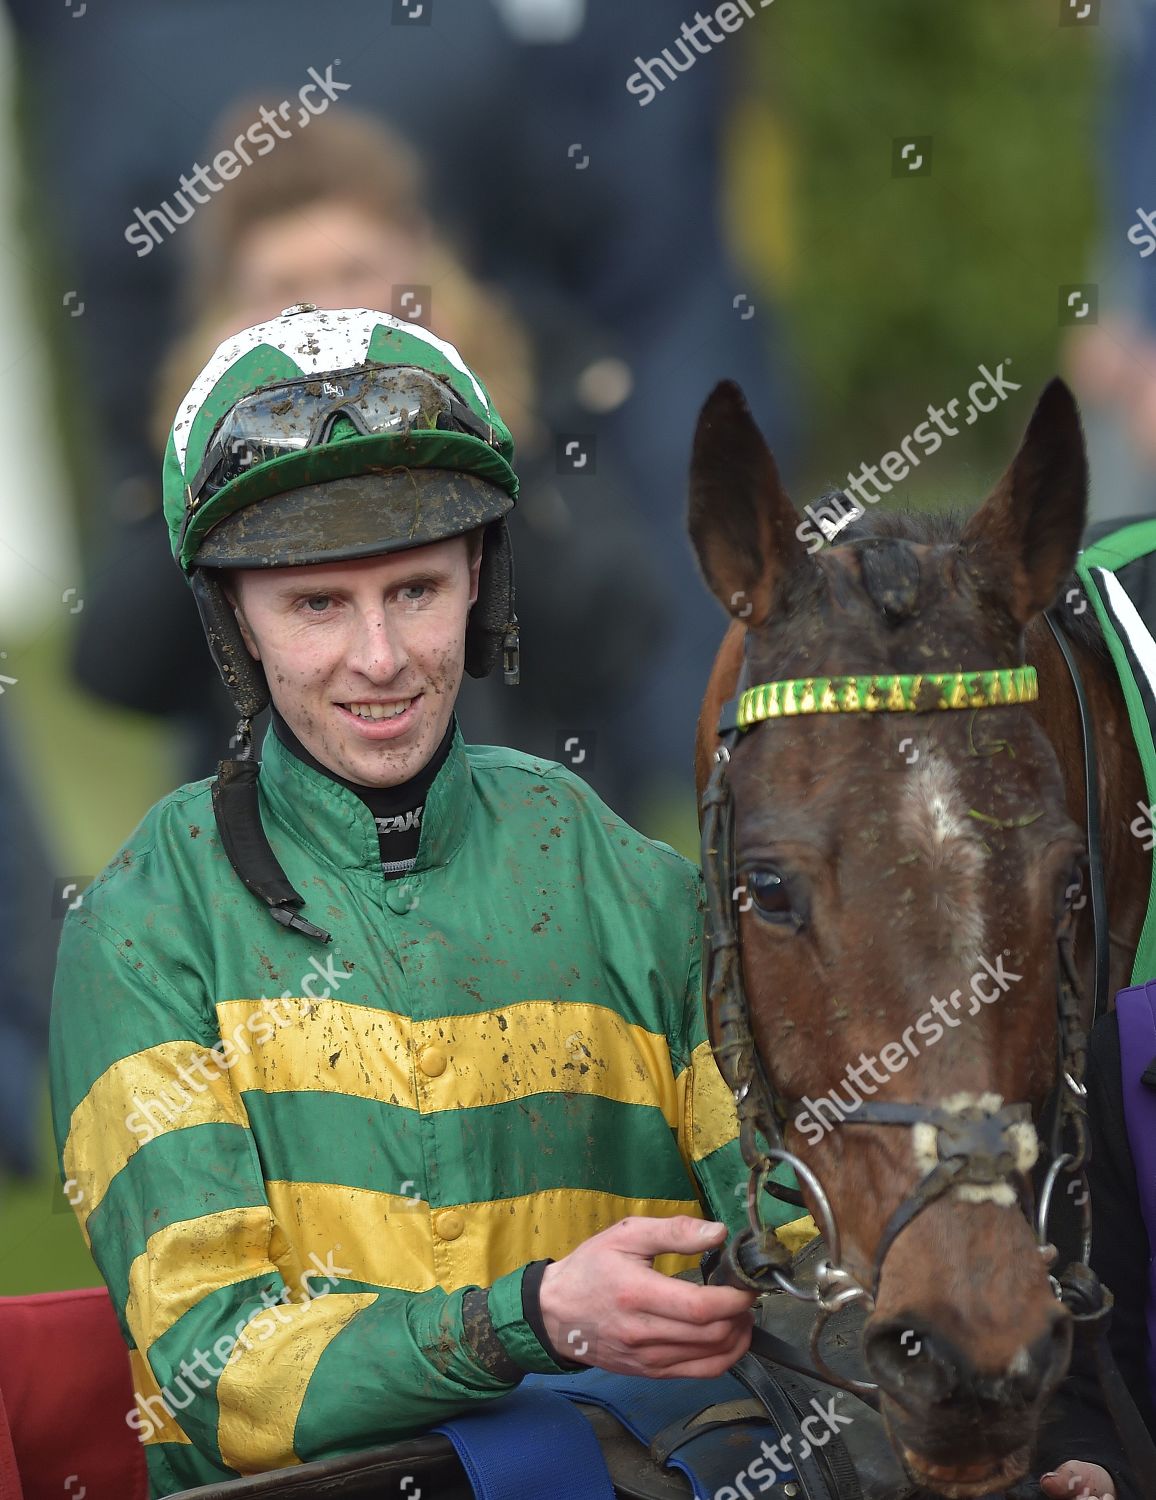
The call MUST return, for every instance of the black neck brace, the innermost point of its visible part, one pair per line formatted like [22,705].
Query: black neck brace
[398,837]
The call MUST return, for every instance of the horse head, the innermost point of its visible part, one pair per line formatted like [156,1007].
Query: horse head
[903,892]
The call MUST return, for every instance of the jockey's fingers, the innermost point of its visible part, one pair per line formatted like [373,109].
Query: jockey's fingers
[646,1331]
[682,1301]
[696,1366]
[1077,1480]
[679,1235]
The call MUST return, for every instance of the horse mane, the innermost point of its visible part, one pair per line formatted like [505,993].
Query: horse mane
[889,576]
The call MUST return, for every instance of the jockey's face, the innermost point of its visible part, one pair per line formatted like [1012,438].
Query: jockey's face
[387,630]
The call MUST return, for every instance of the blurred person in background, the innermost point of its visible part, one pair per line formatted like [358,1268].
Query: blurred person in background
[25,950]
[337,218]
[1111,356]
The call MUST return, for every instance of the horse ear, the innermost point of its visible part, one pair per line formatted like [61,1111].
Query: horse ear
[741,522]
[1028,531]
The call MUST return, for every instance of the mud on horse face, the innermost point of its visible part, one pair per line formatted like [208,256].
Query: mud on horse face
[903,880]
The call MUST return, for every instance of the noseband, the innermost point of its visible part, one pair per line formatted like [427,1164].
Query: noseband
[981,1143]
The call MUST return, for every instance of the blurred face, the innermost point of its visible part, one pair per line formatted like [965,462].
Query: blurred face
[331,253]
[364,659]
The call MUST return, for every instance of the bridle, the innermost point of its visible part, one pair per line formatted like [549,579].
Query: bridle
[983,1143]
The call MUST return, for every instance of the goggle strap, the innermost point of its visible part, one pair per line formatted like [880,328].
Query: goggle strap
[459,414]
[466,420]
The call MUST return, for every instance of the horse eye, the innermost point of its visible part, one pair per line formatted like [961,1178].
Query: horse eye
[767,889]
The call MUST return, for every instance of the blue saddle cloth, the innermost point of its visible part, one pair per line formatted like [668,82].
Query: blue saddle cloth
[534,1444]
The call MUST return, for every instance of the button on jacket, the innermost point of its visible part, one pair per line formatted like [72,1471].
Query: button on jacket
[293,1159]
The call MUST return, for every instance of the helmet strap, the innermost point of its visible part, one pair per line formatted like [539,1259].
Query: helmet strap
[236,807]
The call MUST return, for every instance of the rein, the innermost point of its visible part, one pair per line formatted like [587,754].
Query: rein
[1092,819]
[984,1144]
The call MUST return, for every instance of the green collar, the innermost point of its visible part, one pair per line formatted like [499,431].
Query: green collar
[337,825]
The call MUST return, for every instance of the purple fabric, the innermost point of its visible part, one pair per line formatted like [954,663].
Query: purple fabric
[1136,1014]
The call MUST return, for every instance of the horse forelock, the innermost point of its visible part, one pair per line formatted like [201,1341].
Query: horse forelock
[945,528]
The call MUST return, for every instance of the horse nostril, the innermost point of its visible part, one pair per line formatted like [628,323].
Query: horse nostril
[919,1369]
[1034,1369]
[914,1366]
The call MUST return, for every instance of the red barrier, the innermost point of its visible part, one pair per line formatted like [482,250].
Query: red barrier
[65,1387]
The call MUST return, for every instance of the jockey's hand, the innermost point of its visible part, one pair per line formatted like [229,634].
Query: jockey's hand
[1079,1481]
[604,1304]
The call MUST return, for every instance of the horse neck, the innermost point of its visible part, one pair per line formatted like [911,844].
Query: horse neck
[1127,865]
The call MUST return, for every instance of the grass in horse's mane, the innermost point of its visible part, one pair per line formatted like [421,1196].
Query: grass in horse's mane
[890,579]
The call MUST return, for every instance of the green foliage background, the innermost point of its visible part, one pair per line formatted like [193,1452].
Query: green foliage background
[897,287]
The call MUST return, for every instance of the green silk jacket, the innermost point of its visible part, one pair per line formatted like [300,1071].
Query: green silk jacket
[292,1160]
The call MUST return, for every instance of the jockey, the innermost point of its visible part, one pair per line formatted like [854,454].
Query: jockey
[379,1067]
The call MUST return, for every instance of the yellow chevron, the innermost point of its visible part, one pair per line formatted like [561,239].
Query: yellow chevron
[261,1389]
[185,1261]
[706,1106]
[155,1423]
[108,1126]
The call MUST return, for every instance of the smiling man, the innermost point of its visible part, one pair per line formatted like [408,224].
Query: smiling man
[399,622]
[379,1066]
[322,633]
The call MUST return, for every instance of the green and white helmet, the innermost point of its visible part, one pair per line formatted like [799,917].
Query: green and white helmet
[326,435]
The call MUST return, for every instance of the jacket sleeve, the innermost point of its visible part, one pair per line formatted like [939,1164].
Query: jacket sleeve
[163,1172]
[708,1135]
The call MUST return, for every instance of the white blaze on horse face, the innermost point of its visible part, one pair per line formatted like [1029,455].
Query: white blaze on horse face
[934,814]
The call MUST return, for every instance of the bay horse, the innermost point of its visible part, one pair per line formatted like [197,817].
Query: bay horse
[907,888]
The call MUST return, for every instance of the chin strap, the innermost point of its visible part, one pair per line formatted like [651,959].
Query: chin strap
[237,810]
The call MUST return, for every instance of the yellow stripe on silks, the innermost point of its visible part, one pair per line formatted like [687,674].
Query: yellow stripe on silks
[499,1237]
[157,1424]
[102,1136]
[797,1233]
[706,1104]
[549,1047]
[325,1046]
[397,1242]
[492,1057]
[381,1238]
[184,1262]
[262,1387]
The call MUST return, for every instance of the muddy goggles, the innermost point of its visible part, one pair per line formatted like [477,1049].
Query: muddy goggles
[299,414]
